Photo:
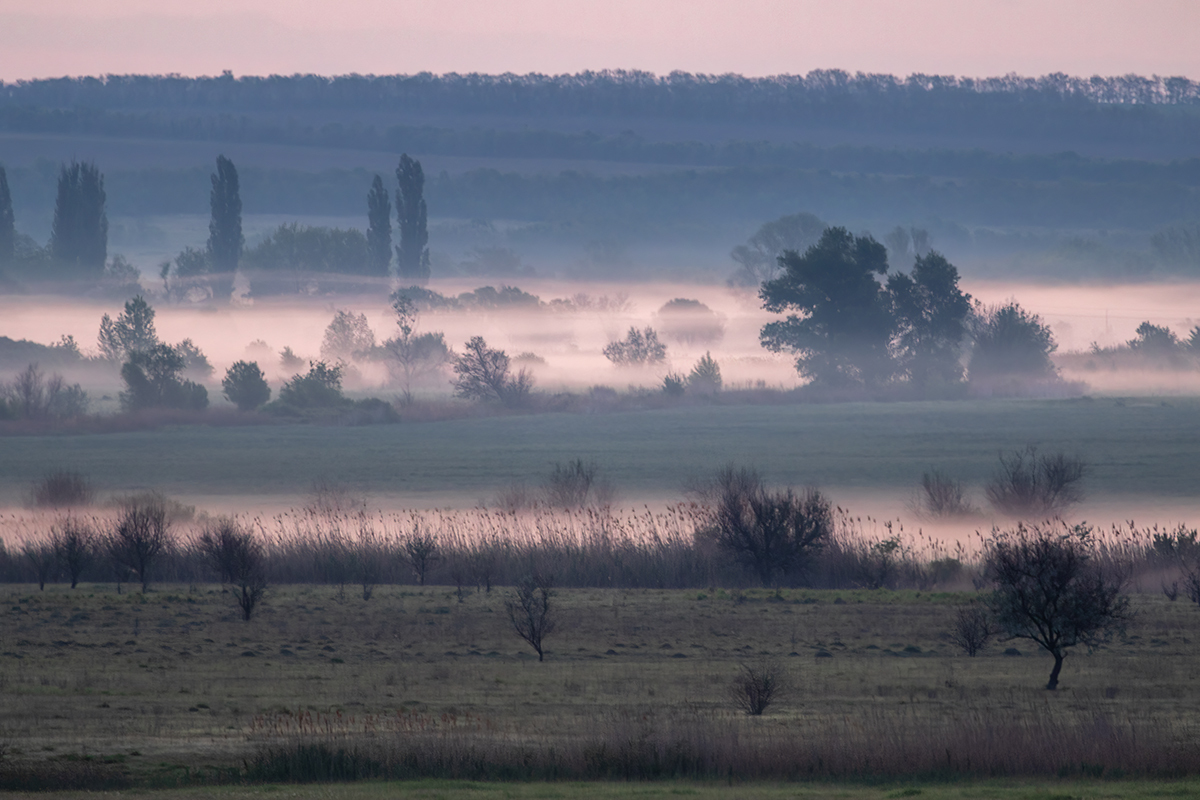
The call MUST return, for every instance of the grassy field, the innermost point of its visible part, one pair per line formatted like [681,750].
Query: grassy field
[460,790]
[1142,449]
[170,687]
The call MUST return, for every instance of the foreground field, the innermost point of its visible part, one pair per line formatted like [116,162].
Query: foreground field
[459,790]
[1139,451]
[171,688]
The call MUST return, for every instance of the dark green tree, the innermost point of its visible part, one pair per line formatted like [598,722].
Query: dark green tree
[320,387]
[412,254]
[246,386]
[379,229]
[843,328]
[131,332]
[8,233]
[1010,341]
[931,320]
[153,380]
[225,238]
[79,236]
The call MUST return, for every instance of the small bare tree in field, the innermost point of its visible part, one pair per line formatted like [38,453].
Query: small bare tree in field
[140,537]
[1050,589]
[973,629]
[240,561]
[74,543]
[421,553]
[529,611]
[40,555]
[757,686]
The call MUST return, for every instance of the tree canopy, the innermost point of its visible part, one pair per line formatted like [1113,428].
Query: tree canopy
[842,324]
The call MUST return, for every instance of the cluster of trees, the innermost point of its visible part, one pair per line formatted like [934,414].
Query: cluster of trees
[78,246]
[154,373]
[31,395]
[1155,346]
[849,329]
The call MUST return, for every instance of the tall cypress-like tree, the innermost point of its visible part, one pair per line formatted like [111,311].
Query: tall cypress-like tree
[79,237]
[8,232]
[412,255]
[225,238]
[379,231]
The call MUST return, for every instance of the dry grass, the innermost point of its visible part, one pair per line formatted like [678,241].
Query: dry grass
[173,687]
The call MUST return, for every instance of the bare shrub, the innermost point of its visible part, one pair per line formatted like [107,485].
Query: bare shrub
[773,533]
[576,484]
[421,553]
[74,543]
[139,538]
[973,629]
[239,559]
[63,489]
[483,374]
[40,555]
[326,496]
[942,496]
[757,686]
[529,611]
[1028,483]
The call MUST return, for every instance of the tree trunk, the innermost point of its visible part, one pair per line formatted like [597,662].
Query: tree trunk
[1058,661]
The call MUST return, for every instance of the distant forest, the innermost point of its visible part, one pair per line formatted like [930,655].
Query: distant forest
[997,165]
[1130,111]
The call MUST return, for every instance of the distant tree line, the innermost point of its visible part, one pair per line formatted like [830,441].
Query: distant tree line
[607,92]
[576,205]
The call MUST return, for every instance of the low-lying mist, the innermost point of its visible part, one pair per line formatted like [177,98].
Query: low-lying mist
[561,344]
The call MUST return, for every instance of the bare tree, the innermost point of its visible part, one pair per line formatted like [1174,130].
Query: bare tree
[529,611]
[139,538]
[483,374]
[40,555]
[774,533]
[757,686]
[74,543]
[240,561]
[421,553]
[1028,483]
[1050,589]
[973,629]
[943,496]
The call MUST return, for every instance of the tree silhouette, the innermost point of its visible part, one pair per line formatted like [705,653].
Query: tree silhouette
[8,233]
[379,230]
[412,254]
[1051,590]
[842,332]
[931,320]
[225,238]
[79,236]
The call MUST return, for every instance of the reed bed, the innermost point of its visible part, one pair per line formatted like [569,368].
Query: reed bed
[345,545]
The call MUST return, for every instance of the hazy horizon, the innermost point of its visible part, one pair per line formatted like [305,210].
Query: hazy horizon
[754,38]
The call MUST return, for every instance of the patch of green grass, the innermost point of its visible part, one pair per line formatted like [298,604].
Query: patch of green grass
[1142,448]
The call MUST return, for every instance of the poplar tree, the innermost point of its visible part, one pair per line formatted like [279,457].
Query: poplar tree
[412,255]
[8,233]
[225,238]
[379,231]
[79,236]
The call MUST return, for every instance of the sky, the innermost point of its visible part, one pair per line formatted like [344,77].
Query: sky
[51,38]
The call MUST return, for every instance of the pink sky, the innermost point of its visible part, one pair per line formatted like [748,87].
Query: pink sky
[41,38]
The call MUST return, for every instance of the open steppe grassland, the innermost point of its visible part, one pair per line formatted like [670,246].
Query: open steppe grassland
[170,685]
[1139,451]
